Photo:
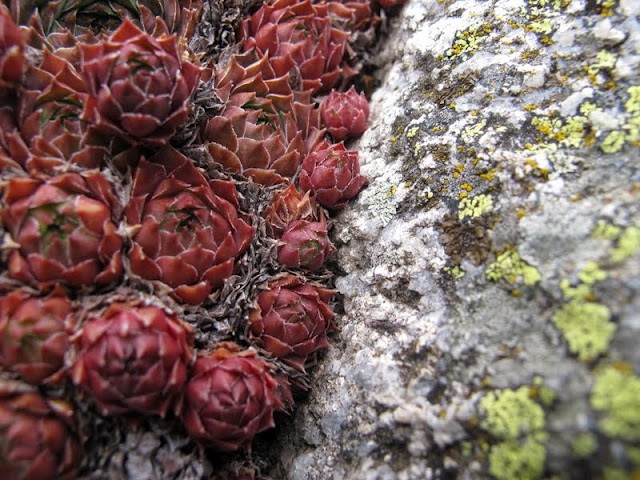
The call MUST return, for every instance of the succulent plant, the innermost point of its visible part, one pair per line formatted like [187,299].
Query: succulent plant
[332,174]
[289,205]
[139,86]
[133,359]
[230,398]
[36,437]
[265,128]
[305,245]
[189,232]
[298,37]
[345,114]
[64,229]
[34,333]
[291,318]
[12,45]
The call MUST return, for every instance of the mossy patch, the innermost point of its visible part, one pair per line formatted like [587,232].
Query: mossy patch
[616,394]
[510,267]
[518,423]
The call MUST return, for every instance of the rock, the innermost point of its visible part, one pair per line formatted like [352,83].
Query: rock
[492,265]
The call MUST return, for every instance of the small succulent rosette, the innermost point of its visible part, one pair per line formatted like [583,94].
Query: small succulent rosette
[230,398]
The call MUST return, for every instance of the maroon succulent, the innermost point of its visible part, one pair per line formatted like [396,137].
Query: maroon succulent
[332,174]
[345,114]
[289,205]
[230,398]
[189,232]
[33,331]
[36,438]
[305,245]
[265,128]
[133,359]
[139,86]
[12,45]
[291,319]
[65,230]
[299,38]
[390,3]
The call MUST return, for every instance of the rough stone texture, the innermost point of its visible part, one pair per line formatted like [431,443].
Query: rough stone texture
[491,267]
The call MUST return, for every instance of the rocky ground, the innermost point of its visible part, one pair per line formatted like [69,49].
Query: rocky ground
[491,269]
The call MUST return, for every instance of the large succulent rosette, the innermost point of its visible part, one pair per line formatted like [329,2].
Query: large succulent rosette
[298,37]
[36,438]
[139,86]
[189,232]
[33,333]
[64,230]
[332,174]
[291,318]
[230,398]
[133,359]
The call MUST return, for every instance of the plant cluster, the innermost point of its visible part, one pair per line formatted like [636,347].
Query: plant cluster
[165,217]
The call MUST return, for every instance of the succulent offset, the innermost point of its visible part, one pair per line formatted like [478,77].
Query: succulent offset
[164,224]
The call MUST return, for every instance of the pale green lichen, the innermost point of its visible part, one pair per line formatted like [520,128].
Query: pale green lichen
[475,206]
[628,243]
[630,131]
[584,445]
[510,460]
[606,61]
[616,394]
[468,41]
[605,231]
[455,272]
[592,273]
[613,142]
[510,267]
[474,130]
[518,423]
[586,326]
[411,132]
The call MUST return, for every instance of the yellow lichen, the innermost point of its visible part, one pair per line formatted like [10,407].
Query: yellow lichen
[510,267]
[616,394]
[475,206]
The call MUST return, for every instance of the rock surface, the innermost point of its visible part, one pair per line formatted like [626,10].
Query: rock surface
[492,265]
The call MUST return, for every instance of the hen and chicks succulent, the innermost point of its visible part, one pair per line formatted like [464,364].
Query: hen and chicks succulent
[165,218]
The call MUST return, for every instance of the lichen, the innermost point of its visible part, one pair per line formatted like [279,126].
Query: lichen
[518,423]
[510,267]
[616,394]
[584,445]
[605,231]
[475,206]
[468,41]
[586,326]
[628,243]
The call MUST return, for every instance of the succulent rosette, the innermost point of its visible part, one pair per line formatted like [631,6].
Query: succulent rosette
[64,229]
[230,398]
[139,86]
[36,437]
[189,231]
[332,174]
[133,359]
[12,45]
[34,334]
[289,205]
[291,318]
[298,37]
[305,244]
[345,114]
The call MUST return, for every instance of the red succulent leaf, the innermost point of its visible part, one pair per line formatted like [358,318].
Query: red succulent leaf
[33,332]
[230,398]
[133,359]
[36,438]
[65,230]
[189,230]
[345,114]
[332,174]
[139,86]
[291,318]
[12,46]
[305,245]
